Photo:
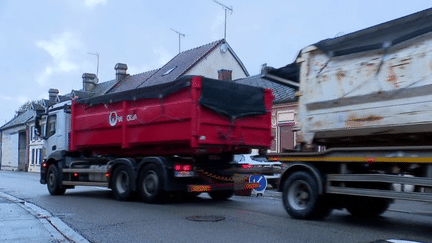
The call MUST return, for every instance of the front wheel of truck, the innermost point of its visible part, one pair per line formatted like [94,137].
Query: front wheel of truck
[301,198]
[150,184]
[54,183]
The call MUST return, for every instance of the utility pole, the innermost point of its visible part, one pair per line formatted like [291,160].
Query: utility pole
[97,55]
[226,8]
[180,34]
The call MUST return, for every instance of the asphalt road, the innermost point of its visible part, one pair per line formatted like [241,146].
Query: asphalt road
[94,214]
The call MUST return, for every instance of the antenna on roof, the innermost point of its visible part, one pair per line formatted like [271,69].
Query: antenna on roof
[97,55]
[180,34]
[225,8]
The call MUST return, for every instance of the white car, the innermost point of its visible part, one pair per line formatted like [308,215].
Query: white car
[251,162]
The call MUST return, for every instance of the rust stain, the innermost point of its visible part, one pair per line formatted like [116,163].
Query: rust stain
[367,119]
[340,75]
[324,78]
[392,77]
[318,124]
[354,122]
[370,67]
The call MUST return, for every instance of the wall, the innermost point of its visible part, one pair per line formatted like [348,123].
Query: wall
[10,149]
[215,61]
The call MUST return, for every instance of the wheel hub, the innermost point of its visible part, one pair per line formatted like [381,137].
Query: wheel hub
[150,183]
[299,195]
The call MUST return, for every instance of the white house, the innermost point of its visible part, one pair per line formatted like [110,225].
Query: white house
[215,60]
[14,142]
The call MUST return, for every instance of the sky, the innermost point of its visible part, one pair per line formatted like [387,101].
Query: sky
[50,43]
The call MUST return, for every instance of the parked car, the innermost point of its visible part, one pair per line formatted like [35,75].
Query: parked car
[249,162]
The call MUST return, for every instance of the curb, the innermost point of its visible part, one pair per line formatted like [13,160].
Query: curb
[54,225]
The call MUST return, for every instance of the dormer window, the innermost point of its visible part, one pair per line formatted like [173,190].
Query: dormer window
[169,71]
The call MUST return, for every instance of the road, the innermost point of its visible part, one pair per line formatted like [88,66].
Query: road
[94,214]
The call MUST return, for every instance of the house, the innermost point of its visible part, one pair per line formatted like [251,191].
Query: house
[215,60]
[35,143]
[14,142]
[284,84]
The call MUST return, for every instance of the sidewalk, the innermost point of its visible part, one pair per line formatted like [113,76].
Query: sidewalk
[22,221]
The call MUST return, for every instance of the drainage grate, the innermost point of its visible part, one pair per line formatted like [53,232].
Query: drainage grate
[210,218]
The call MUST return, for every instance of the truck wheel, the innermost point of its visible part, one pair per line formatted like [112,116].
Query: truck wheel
[54,183]
[122,183]
[221,195]
[301,199]
[365,207]
[150,184]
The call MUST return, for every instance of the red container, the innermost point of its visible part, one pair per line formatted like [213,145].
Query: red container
[189,116]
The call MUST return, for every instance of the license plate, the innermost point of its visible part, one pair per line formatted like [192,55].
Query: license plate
[184,173]
[200,188]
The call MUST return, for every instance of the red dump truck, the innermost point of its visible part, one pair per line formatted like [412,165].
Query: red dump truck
[177,137]
[364,121]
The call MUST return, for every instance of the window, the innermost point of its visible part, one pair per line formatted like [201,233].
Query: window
[51,126]
[32,133]
[169,71]
[39,157]
[33,159]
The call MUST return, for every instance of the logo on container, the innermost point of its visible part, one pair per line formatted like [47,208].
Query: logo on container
[113,118]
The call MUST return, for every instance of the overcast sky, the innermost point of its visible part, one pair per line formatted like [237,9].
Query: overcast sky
[45,43]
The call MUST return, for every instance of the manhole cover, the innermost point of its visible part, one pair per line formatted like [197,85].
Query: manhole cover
[210,218]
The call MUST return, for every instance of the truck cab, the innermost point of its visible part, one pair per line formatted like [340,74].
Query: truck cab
[57,128]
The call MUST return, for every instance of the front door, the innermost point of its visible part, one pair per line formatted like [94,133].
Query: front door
[22,151]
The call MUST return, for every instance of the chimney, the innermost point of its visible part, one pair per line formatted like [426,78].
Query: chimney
[53,93]
[224,74]
[120,71]
[89,81]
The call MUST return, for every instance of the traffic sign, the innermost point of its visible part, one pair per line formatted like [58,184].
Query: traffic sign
[261,180]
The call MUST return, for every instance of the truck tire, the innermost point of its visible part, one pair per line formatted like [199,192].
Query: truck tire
[301,199]
[150,184]
[122,183]
[221,195]
[54,183]
[366,207]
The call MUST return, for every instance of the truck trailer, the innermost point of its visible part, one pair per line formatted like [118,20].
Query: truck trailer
[364,121]
[176,137]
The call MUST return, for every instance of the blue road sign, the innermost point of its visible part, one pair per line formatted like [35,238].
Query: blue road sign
[261,180]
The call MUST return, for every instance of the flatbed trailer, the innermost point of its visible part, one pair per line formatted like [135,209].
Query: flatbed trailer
[365,101]
[363,180]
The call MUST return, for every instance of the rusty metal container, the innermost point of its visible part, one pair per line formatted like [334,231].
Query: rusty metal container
[372,87]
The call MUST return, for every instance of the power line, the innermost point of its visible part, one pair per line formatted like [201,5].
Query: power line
[180,34]
[226,8]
